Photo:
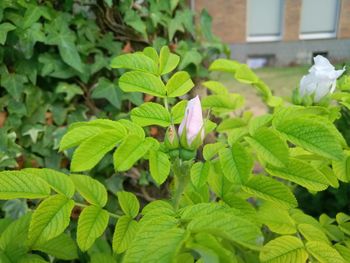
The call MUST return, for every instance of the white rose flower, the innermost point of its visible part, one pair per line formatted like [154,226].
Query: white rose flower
[321,79]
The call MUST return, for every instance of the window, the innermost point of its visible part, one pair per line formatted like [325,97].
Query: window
[264,20]
[319,19]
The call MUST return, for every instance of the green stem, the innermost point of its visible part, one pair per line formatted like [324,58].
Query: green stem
[181,180]
[110,213]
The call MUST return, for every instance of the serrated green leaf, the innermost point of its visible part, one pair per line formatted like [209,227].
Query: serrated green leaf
[100,257]
[60,182]
[124,233]
[137,81]
[31,258]
[284,249]
[223,103]
[271,190]
[323,253]
[135,61]
[218,183]
[165,246]
[129,203]
[167,61]
[236,163]
[91,189]
[130,151]
[92,222]
[133,128]
[178,111]
[341,168]
[313,135]
[152,54]
[148,230]
[231,124]
[199,174]
[269,146]
[151,113]
[301,173]
[224,65]
[279,221]
[50,219]
[179,84]
[259,121]
[230,227]
[312,233]
[91,151]
[212,149]
[76,136]
[343,251]
[17,184]
[61,247]
[216,87]
[158,207]
[159,165]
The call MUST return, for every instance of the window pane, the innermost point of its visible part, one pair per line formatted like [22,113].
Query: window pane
[319,16]
[264,17]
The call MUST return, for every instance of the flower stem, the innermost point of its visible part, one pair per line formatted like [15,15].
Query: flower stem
[181,180]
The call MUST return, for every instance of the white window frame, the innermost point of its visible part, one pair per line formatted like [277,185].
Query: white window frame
[266,38]
[325,35]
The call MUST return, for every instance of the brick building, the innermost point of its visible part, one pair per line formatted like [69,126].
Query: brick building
[281,32]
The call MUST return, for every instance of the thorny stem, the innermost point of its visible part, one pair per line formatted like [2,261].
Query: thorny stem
[110,213]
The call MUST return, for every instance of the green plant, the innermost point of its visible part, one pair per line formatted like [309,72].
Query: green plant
[231,201]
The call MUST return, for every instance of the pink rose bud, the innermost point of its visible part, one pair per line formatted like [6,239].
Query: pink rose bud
[193,123]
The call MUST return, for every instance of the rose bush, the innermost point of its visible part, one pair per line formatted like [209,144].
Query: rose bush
[231,199]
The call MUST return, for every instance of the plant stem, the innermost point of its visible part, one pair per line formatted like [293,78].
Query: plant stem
[110,213]
[181,179]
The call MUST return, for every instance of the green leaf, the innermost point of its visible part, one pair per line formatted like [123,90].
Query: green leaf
[14,84]
[16,184]
[224,65]
[50,219]
[91,189]
[269,146]
[159,165]
[279,221]
[219,183]
[223,103]
[132,19]
[92,222]
[323,253]
[341,168]
[70,90]
[4,29]
[124,233]
[100,257]
[61,247]
[152,54]
[206,25]
[230,227]
[215,87]
[179,84]
[148,230]
[301,173]
[259,121]
[284,249]
[165,246]
[137,81]
[212,149]
[65,39]
[32,258]
[178,111]
[151,113]
[236,163]
[130,151]
[167,61]
[76,136]
[245,75]
[133,128]
[105,89]
[199,173]
[313,135]
[91,151]
[60,182]
[135,61]
[312,233]
[129,203]
[269,189]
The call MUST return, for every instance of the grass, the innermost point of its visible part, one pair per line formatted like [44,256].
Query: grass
[281,80]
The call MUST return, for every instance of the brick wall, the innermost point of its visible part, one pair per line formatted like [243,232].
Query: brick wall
[229,18]
[292,15]
[344,21]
